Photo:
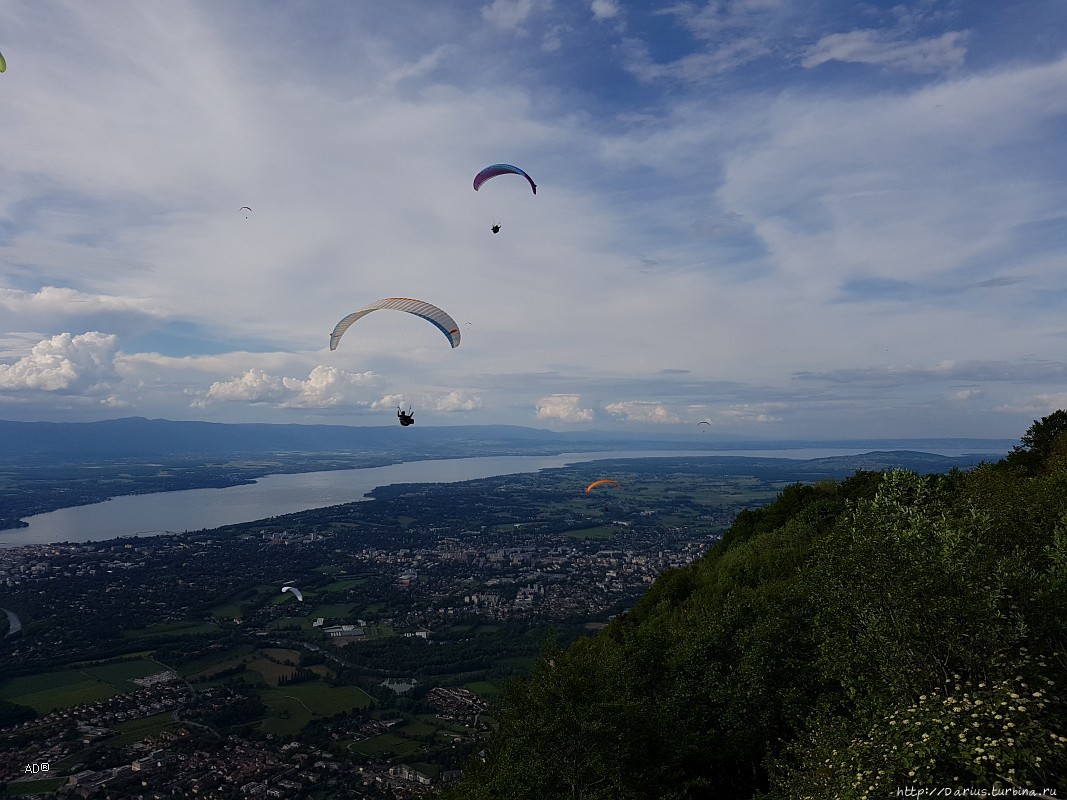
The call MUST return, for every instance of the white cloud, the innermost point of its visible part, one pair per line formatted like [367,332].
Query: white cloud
[458,401]
[605,9]
[937,54]
[324,387]
[1044,404]
[56,299]
[563,407]
[68,363]
[966,394]
[388,401]
[507,13]
[698,67]
[744,413]
[642,411]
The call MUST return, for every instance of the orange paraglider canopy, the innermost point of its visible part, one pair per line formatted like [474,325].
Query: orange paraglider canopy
[601,482]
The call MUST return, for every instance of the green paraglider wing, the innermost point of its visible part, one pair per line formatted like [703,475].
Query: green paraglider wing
[419,308]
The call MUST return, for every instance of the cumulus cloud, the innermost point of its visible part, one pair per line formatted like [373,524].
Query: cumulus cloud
[642,411]
[937,54]
[753,413]
[324,386]
[66,363]
[458,401]
[57,299]
[388,401]
[605,9]
[563,407]
[966,394]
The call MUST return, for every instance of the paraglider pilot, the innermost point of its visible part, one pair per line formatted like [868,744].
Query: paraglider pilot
[405,419]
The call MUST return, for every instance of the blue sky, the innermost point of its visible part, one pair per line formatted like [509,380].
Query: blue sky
[793,219]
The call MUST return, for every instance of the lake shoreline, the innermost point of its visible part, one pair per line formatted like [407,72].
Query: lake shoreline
[278,494]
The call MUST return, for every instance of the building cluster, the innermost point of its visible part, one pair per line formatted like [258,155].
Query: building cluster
[174,767]
[544,581]
[63,733]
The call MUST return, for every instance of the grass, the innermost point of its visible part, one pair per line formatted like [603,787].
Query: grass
[136,729]
[61,689]
[336,611]
[209,665]
[418,729]
[484,688]
[385,743]
[292,707]
[22,788]
[342,586]
[121,674]
[271,671]
[180,628]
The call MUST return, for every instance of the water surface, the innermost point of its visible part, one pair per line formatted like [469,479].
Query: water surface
[274,495]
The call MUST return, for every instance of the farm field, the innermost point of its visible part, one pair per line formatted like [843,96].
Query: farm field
[49,691]
[292,707]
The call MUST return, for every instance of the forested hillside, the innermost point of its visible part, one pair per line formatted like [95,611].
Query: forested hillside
[850,639]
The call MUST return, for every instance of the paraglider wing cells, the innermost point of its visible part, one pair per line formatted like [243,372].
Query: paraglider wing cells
[295,591]
[419,308]
[601,482]
[500,169]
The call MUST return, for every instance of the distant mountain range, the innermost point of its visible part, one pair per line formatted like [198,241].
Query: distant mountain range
[139,438]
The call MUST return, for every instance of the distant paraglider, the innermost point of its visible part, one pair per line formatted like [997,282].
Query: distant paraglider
[495,228]
[419,308]
[600,482]
[704,422]
[295,591]
[246,208]
[493,170]
[3,63]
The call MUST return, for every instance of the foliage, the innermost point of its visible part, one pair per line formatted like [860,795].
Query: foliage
[848,639]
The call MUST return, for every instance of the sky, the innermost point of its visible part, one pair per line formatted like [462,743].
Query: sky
[790,218]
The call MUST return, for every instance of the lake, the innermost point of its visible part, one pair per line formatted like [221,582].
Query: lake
[274,495]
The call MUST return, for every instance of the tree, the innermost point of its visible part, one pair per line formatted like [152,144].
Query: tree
[1040,443]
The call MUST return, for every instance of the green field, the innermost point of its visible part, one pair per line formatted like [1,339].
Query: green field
[255,596]
[484,688]
[168,629]
[73,687]
[213,662]
[271,671]
[136,729]
[22,788]
[64,689]
[385,743]
[343,586]
[292,707]
[121,673]
[337,611]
